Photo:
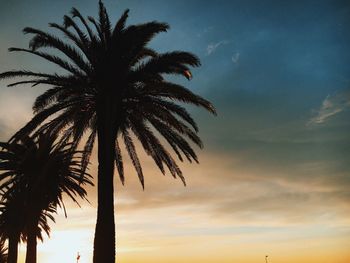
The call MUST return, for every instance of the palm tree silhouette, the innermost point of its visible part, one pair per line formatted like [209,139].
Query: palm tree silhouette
[12,217]
[114,87]
[36,173]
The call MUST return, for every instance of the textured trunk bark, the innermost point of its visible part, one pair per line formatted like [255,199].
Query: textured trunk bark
[12,250]
[104,242]
[31,245]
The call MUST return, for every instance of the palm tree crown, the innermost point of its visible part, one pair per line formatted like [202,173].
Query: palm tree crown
[115,64]
[35,173]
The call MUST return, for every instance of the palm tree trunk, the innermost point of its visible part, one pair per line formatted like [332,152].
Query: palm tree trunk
[12,249]
[104,243]
[31,245]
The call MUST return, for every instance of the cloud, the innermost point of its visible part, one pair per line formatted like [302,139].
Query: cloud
[212,47]
[332,105]
[15,110]
[230,189]
[235,57]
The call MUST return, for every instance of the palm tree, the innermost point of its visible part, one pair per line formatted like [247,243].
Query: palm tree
[36,173]
[15,218]
[114,87]
[12,219]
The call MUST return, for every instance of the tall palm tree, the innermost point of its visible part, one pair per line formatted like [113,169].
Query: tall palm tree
[36,172]
[114,87]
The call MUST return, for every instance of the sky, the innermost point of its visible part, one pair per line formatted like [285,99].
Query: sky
[274,175]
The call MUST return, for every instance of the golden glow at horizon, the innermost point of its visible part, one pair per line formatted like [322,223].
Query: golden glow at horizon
[171,223]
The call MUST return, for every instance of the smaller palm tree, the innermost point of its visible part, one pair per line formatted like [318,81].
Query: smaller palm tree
[37,171]
[11,218]
[14,218]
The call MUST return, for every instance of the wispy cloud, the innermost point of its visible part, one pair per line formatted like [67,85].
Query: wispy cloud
[235,57]
[17,109]
[332,105]
[212,47]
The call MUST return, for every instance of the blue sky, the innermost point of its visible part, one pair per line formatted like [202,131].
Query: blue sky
[278,73]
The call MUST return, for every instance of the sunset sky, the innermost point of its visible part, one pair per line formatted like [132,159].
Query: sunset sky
[274,175]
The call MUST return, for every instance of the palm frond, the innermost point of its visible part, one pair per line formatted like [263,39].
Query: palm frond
[75,13]
[42,39]
[154,148]
[69,22]
[104,22]
[97,27]
[177,92]
[173,138]
[130,147]
[88,150]
[119,161]
[120,25]
[24,73]
[54,59]
[80,41]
